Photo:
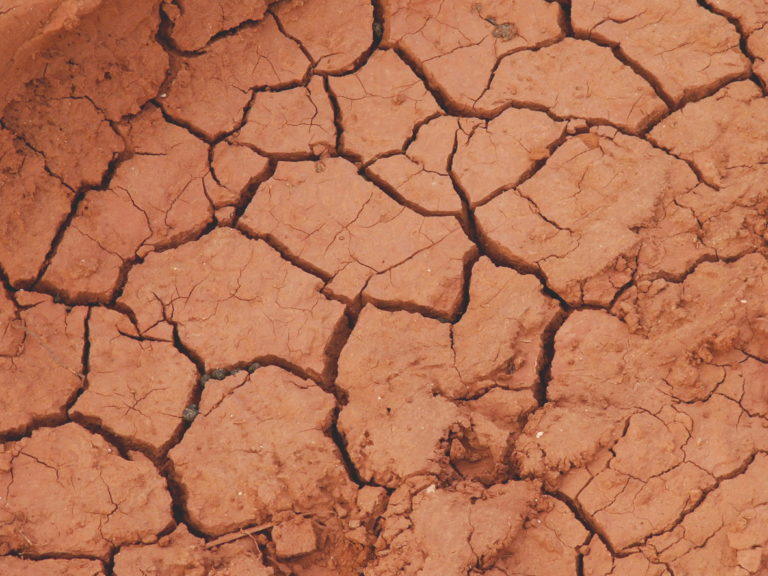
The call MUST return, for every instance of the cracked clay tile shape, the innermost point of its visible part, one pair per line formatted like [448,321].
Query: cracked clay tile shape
[26,228]
[380,105]
[136,389]
[723,136]
[291,123]
[342,236]
[336,33]
[180,551]
[457,44]
[211,90]
[685,48]
[156,198]
[13,566]
[580,218]
[68,492]
[234,300]
[262,450]
[196,22]
[41,352]
[574,78]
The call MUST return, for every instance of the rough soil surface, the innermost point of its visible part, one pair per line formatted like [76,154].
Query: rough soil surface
[384,287]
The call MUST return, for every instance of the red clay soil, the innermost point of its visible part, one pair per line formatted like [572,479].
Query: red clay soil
[384,287]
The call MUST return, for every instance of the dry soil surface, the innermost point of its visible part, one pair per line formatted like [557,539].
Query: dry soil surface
[383,287]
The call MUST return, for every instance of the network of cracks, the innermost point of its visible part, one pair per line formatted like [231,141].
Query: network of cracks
[385,287]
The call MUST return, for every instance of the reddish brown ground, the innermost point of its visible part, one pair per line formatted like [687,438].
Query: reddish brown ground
[381,287]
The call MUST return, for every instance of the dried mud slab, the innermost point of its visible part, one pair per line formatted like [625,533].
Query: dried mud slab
[68,492]
[752,16]
[503,151]
[232,301]
[644,416]
[457,45]
[108,66]
[507,529]
[91,143]
[723,135]
[41,355]
[27,229]
[687,50]
[601,210]
[211,90]
[381,105]
[234,168]
[362,241]
[726,533]
[156,198]
[291,123]
[195,22]
[413,382]
[574,79]
[110,58]
[136,389]
[12,566]
[180,554]
[420,175]
[335,33]
[732,217]
[598,561]
[258,450]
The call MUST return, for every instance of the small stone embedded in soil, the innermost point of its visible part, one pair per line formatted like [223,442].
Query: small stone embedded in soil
[500,153]
[69,492]
[381,104]
[419,175]
[362,235]
[41,351]
[574,78]
[196,22]
[155,199]
[458,44]
[137,389]
[336,33]
[26,229]
[295,122]
[181,554]
[262,450]
[210,91]
[12,566]
[683,46]
[232,300]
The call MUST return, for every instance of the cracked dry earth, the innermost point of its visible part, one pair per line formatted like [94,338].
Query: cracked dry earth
[420,287]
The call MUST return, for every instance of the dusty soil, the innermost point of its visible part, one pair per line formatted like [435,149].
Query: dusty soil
[380,287]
